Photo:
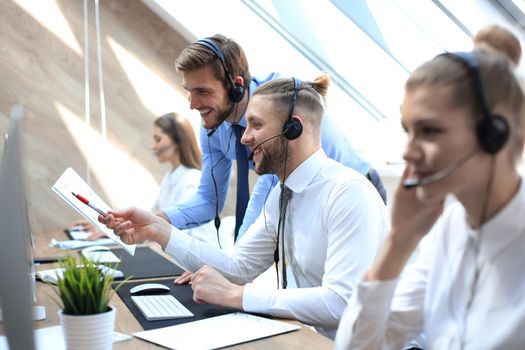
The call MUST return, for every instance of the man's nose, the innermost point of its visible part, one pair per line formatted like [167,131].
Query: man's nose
[247,137]
[193,100]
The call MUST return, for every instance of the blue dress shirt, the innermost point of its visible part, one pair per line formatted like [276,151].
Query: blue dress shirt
[218,154]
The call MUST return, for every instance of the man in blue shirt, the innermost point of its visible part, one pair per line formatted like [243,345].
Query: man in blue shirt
[216,75]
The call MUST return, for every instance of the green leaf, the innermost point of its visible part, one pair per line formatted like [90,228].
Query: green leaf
[84,289]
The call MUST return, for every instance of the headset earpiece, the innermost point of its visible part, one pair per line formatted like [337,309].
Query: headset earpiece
[492,131]
[293,128]
[236,90]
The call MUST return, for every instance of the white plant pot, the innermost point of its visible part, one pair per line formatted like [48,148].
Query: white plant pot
[88,332]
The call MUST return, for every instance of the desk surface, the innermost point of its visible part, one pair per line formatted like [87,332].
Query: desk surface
[126,323]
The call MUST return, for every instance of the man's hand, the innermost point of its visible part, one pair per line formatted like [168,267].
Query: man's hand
[81,223]
[135,225]
[209,286]
[184,278]
[162,214]
[94,233]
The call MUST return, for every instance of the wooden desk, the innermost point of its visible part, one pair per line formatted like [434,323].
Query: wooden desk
[126,323]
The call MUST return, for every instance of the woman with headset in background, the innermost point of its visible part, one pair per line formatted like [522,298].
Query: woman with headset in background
[174,142]
[463,114]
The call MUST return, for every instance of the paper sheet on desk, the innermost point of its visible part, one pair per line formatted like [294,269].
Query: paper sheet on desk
[69,182]
[77,244]
[79,235]
[216,332]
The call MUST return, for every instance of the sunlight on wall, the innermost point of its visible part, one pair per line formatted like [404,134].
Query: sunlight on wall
[117,172]
[49,14]
[154,92]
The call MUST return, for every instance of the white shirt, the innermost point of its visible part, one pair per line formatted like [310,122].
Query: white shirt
[336,222]
[177,186]
[432,293]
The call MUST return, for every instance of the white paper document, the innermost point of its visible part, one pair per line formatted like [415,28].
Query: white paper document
[218,332]
[70,182]
[77,244]
[100,254]
[52,275]
[79,235]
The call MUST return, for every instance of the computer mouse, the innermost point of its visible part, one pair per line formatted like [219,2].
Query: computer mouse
[149,289]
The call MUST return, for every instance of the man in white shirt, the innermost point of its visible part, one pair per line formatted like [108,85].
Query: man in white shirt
[327,233]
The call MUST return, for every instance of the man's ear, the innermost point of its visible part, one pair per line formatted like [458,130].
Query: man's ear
[238,80]
[293,127]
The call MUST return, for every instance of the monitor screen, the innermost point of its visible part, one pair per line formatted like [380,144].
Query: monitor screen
[16,290]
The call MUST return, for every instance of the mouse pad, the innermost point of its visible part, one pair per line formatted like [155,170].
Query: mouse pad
[146,263]
[182,293]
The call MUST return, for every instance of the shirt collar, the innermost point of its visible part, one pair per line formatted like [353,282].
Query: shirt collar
[303,175]
[501,230]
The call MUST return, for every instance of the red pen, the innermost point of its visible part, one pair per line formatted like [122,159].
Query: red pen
[86,202]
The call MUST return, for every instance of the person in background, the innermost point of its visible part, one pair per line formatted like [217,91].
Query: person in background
[216,76]
[324,223]
[174,142]
[463,113]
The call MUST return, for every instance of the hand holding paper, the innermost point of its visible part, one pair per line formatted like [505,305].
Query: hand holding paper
[70,182]
[135,225]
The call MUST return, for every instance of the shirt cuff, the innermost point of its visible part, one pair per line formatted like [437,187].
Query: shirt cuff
[255,298]
[376,295]
[178,244]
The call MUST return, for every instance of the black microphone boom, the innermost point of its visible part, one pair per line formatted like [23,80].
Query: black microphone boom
[440,175]
[250,156]
[212,131]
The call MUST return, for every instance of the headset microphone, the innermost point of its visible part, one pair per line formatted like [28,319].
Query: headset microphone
[250,156]
[440,175]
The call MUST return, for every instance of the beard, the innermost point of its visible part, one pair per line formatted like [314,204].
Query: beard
[274,158]
[221,115]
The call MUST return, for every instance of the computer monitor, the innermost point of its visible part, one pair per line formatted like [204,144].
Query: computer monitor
[16,290]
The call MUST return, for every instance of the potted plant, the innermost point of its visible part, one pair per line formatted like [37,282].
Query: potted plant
[87,320]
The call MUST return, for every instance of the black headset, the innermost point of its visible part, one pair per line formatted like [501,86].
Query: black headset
[493,130]
[236,91]
[293,128]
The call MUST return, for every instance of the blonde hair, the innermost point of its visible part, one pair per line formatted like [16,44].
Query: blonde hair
[498,39]
[502,90]
[310,96]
